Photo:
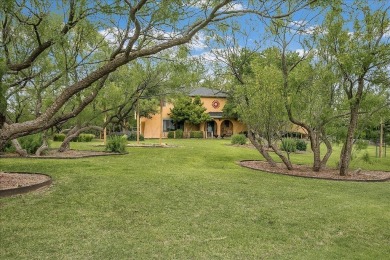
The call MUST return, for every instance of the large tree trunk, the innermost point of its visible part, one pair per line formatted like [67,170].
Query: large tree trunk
[260,148]
[65,145]
[345,156]
[284,159]
[329,149]
[316,149]
[44,147]
[74,133]
[18,148]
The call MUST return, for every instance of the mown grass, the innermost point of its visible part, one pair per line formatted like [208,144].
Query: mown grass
[191,202]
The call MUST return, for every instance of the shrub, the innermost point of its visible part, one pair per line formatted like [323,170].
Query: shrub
[288,145]
[116,144]
[360,144]
[239,139]
[31,143]
[59,137]
[171,134]
[176,134]
[179,133]
[8,148]
[301,145]
[85,137]
[132,136]
[196,134]
[366,158]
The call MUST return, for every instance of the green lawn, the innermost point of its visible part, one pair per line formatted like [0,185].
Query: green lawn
[192,202]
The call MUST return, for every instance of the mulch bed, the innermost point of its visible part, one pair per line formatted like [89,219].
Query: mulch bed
[69,154]
[328,173]
[17,183]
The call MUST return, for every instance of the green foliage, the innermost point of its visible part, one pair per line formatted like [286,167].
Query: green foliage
[171,134]
[116,144]
[230,109]
[187,110]
[132,136]
[85,137]
[301,145]
[175,134]
[59,137]
[196,134]
[8,148]
[130,200]
[239,139]
[179,133]
[366,157]
[360,145]
[288,145]
[31,143]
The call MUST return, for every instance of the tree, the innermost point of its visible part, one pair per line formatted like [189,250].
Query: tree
[256,92]
[71,41]
[360,58]
[188,110]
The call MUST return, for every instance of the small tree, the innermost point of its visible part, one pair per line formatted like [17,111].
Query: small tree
[187,110]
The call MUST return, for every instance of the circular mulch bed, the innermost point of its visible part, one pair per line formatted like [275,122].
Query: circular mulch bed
[17,183]
[69,154]
[328,174]
[12,183]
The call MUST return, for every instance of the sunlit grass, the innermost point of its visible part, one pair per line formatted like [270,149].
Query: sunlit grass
[191,201]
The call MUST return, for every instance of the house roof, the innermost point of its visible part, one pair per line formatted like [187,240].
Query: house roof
[207,92]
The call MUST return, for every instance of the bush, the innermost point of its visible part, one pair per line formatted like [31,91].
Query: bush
[301,145]
[179,133]
[171,134]
[239,139]
[31,143]
[176,134]
[196,134]
[366,158]
[8,148]
[132,136]
[59,137]
[288,145]
[116,144]
[85,138]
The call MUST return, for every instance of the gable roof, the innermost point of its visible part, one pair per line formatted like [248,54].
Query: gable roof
[207,92]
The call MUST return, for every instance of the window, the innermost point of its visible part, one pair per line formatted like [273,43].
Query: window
[168,125]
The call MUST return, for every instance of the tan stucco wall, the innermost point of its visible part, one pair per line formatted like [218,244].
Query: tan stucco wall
[151,127]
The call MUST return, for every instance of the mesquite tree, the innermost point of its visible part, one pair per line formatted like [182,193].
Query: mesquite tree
[359,45]
[91,39]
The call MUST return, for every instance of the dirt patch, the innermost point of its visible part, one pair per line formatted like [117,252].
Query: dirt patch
[16,183]
[328,173]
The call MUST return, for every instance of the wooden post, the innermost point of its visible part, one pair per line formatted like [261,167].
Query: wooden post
[137,118]
[105,130]
[381,139]
[161,120]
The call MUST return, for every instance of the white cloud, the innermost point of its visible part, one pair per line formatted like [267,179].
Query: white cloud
[387,32]
[198,42]
[301,52]
[299,23]
[233,7]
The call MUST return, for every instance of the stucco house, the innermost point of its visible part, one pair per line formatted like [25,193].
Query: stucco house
[213,101]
